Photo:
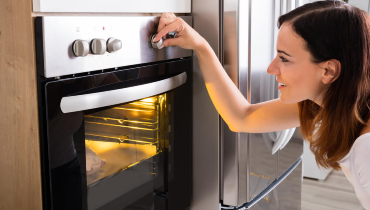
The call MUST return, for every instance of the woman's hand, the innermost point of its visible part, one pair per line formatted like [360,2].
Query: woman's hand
[186,38]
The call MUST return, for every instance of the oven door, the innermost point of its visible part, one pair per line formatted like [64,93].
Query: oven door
[118,140]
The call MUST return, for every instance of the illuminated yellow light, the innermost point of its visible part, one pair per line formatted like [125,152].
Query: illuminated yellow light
[152,105]
[263,177]
[267,200]
[91,134]
[101,147]
[122,120]
[253,174]
[122,141]
[119,139]
[149,138]
[122,126]
[137,110]
[150,100]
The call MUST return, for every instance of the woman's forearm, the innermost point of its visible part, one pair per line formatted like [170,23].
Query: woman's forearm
[229,102]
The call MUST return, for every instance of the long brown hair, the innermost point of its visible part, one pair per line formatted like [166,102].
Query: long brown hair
[335,30]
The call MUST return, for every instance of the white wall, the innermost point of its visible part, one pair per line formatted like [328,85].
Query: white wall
[362,4]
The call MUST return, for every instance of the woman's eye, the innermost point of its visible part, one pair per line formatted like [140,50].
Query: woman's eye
[283,59]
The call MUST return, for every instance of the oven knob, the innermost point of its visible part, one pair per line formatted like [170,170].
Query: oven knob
[80,48]
[113,45]
[98,46]
[156,45]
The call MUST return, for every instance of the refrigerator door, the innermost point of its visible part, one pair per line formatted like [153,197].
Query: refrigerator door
[292,148]
[287,195]
[248,164]
[283,193]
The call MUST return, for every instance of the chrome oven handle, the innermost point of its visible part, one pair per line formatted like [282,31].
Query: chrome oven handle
[119,96]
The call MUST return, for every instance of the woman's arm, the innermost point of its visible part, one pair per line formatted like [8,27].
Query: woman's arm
[239,115]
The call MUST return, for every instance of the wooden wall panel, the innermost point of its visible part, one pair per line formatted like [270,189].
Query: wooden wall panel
[20,177]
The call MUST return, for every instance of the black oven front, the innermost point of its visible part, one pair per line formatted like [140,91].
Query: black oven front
[117,138]
[135,154]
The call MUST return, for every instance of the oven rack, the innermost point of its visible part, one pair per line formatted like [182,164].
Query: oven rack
[118,139]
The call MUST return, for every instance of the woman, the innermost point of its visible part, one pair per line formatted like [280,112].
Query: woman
[323,69]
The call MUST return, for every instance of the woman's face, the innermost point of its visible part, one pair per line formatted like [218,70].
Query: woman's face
[293,67]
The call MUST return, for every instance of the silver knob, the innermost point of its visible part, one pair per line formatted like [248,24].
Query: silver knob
[156,45]
[113,45]
[98,46]
[80,48]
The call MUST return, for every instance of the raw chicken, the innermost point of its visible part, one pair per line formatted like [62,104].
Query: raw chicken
[93,161]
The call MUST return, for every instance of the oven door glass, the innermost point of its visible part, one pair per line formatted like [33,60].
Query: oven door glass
[124,147]
[118,140]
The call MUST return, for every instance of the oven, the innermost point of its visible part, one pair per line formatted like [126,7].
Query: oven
[115,118]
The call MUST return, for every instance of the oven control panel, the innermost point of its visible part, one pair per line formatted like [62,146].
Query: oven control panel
[70,45]
[81,48]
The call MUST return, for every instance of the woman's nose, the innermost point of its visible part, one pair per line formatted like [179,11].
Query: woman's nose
[273,68]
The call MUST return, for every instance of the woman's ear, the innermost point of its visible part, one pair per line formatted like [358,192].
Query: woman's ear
[331,71]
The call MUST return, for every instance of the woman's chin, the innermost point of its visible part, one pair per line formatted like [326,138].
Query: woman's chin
[288,100]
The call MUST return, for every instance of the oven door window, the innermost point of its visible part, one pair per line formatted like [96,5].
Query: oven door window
[124,148]
[130,150]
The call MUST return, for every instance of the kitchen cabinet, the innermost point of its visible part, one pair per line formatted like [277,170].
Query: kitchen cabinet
[20,178]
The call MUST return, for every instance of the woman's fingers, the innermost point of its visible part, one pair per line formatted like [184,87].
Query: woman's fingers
[178,25]
[186,37]
[166,18]
[165,21]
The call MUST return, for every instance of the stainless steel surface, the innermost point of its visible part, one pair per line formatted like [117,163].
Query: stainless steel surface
[112,97]
[205,117]
[81,48]
[291,152]
[250,32]
[263,88]
[273,196]
[235,146]
[286,195]
[114,45]
[246,36]
[59,32]
[249,50]
[158,44]
[98,46]
[263,195]
[289,191]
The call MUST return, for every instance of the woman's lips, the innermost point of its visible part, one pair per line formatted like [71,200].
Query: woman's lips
[282,85]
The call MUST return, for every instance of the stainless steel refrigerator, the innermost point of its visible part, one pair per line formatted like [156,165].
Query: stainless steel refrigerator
[242,170]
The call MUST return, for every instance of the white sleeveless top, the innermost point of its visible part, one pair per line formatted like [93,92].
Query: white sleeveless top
[356,167]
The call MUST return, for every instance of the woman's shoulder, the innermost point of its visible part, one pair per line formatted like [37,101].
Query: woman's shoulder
[361,142]
[361,148]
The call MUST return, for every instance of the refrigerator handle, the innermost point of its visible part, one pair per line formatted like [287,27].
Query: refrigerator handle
[267,190]
[290,134]
[282,139]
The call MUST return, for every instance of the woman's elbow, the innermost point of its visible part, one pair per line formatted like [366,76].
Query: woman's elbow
[235,128]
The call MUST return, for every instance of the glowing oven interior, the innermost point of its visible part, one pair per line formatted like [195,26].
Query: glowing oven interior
[119,138]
